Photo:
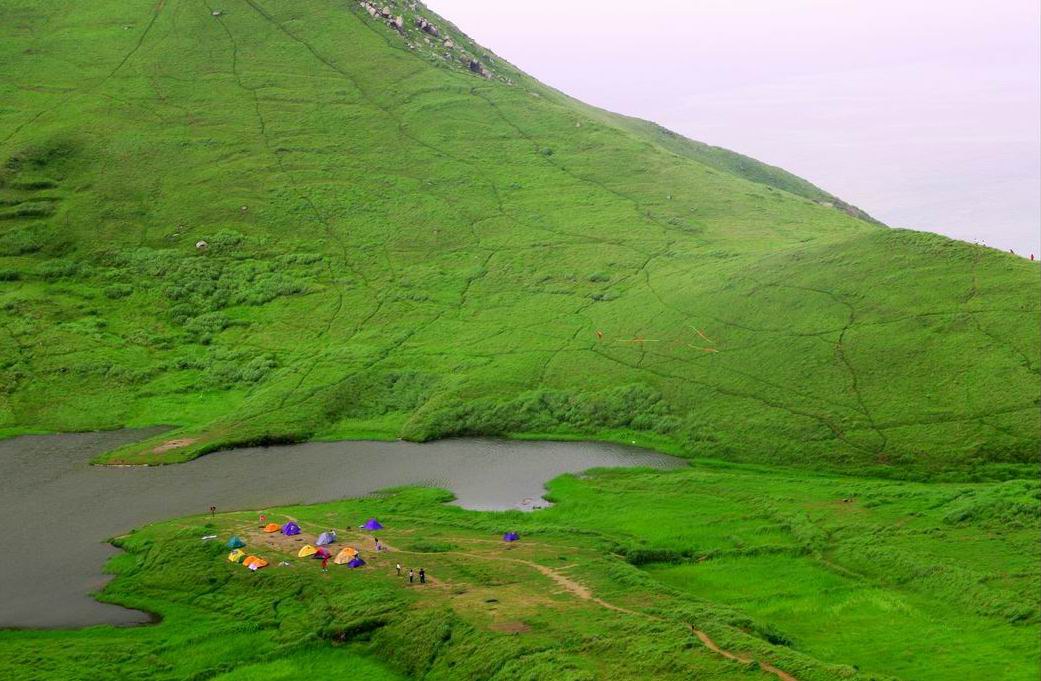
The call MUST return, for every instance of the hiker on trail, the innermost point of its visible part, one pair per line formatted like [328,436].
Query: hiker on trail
[263,519]
[213,511]
[378,547]
[398,568]
[411,574]
[422,576]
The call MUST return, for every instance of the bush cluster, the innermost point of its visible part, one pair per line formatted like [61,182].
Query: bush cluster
[635,407]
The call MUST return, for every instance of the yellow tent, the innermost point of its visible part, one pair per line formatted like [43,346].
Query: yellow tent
[307,550]
[236,556]
[345,555]
[272,527]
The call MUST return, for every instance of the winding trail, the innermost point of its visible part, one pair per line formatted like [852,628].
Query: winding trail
[584,593]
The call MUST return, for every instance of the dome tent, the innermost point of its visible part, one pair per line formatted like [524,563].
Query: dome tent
[346,555]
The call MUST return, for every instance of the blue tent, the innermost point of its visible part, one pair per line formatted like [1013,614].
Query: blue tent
[235,542]
[326,538]
[511,536]
[372,524]
[290,528]
[356,562]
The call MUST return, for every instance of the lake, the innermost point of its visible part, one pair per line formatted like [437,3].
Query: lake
[58,510]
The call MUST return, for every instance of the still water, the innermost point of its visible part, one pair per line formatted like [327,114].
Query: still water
[58,510]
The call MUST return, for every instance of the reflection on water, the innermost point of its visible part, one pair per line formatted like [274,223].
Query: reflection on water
[56,505]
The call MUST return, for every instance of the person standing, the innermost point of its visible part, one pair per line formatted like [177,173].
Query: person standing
[422,576]
[398,568]
[378,549]
[325,564]
[411,574]
[213,511]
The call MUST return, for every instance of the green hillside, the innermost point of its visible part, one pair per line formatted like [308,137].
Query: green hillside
[404,236]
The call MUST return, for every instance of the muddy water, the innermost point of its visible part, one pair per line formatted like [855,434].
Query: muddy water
[57,510]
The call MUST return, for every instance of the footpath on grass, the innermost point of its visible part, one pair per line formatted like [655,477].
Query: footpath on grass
[567,584]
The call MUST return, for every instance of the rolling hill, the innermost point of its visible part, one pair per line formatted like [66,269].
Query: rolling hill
[262,221]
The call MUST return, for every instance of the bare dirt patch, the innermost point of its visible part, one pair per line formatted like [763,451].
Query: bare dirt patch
[174,444]
[511,627]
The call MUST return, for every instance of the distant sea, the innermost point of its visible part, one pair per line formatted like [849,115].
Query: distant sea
[964,164]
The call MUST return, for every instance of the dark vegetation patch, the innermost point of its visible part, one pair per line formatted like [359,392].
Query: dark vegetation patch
[634,406]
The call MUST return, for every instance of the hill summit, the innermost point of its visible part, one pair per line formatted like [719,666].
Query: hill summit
[262,221]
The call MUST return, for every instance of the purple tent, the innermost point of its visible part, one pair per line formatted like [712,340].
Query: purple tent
[326,538]
[372,524]
[356,562]
[510,536]
[290,528]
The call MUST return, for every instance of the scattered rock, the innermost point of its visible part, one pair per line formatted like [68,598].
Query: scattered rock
[397,23]
[217,13]
[201,245]
[449,44]
[476,67]
[427,27]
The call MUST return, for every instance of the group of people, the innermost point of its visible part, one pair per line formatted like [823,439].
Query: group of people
[412,574]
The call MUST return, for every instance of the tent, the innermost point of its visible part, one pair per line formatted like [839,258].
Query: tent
[321,553]
[290,528]
[236,556]
[355,562]
[272,527]
[345,555]
[511,536]
[254,560]
[307,550]
[326,538]
[372,524]
[235,542]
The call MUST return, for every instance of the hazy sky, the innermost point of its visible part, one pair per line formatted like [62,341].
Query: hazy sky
[925,113]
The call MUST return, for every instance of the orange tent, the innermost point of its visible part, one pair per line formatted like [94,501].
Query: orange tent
[345,555]
[272,527]
[254,562]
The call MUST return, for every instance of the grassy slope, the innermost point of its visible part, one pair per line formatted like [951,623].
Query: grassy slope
[904,580]
[399,247]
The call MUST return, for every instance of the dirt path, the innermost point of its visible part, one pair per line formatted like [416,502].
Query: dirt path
[572,587]
[583,592]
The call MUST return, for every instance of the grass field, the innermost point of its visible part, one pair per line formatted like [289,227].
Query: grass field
[819,577]
[399,246]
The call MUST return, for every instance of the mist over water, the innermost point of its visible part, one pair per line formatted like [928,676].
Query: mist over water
[925,114]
